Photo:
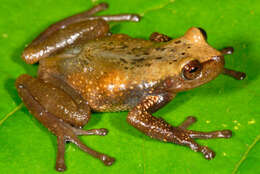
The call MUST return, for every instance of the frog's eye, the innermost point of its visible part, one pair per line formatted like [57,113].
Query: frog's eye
[203,32]
[192,70]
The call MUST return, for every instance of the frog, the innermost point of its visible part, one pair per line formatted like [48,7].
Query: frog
[84,68]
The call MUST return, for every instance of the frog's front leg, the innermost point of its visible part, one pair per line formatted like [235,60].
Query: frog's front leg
[141,118]
[59,112]
[71,31]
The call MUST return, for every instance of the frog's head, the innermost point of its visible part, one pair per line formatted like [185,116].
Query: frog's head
[200,63]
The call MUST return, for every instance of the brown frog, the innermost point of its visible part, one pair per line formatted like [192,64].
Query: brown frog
[85,68]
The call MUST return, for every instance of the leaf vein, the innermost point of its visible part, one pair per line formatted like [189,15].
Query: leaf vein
[157,7]
[11,113]
[245,154]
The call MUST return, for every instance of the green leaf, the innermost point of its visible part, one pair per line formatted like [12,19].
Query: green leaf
[26,146]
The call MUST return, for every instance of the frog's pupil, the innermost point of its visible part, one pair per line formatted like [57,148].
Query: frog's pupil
[193,69]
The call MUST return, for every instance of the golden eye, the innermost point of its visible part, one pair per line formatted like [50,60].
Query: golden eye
[192,70]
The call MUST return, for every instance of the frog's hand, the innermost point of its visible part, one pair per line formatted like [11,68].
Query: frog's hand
[141,118]
[72,30]
[53,108]
[158,37]
[232,73]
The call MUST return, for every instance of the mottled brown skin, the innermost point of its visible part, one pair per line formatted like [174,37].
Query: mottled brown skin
[83,68]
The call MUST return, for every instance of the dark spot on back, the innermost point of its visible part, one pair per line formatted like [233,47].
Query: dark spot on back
[146,53]
[124,46]
[136,49]
[158,58]
[126,68]
[110,49]
[177,42]
[188,47]
[123,60]
[182,53]
[162,49]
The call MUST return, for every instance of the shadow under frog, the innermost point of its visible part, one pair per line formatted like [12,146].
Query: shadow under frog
[84,68]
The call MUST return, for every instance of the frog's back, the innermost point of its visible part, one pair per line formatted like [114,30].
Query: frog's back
[114,72]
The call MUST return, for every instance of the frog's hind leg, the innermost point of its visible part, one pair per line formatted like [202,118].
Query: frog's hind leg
[86,15]
[72,31]
[58,111]
[70,20]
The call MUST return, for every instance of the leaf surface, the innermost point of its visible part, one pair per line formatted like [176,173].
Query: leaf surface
[26,146]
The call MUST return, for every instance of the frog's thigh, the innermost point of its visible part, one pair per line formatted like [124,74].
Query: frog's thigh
[50,106]
[54,100]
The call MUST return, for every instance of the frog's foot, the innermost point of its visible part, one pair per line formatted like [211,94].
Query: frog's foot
[232,73]
[67,133]
[32,91]
[187,137]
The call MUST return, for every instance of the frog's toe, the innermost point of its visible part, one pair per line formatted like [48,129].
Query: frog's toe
[207,152]
[226,133]
[203,135]
[101,132]
[187,122]
[227,50]
[188,141]
[108,161]
[208,135]
[60,167]
[135,18]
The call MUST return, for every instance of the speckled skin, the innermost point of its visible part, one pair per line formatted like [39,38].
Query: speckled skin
[84,68]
